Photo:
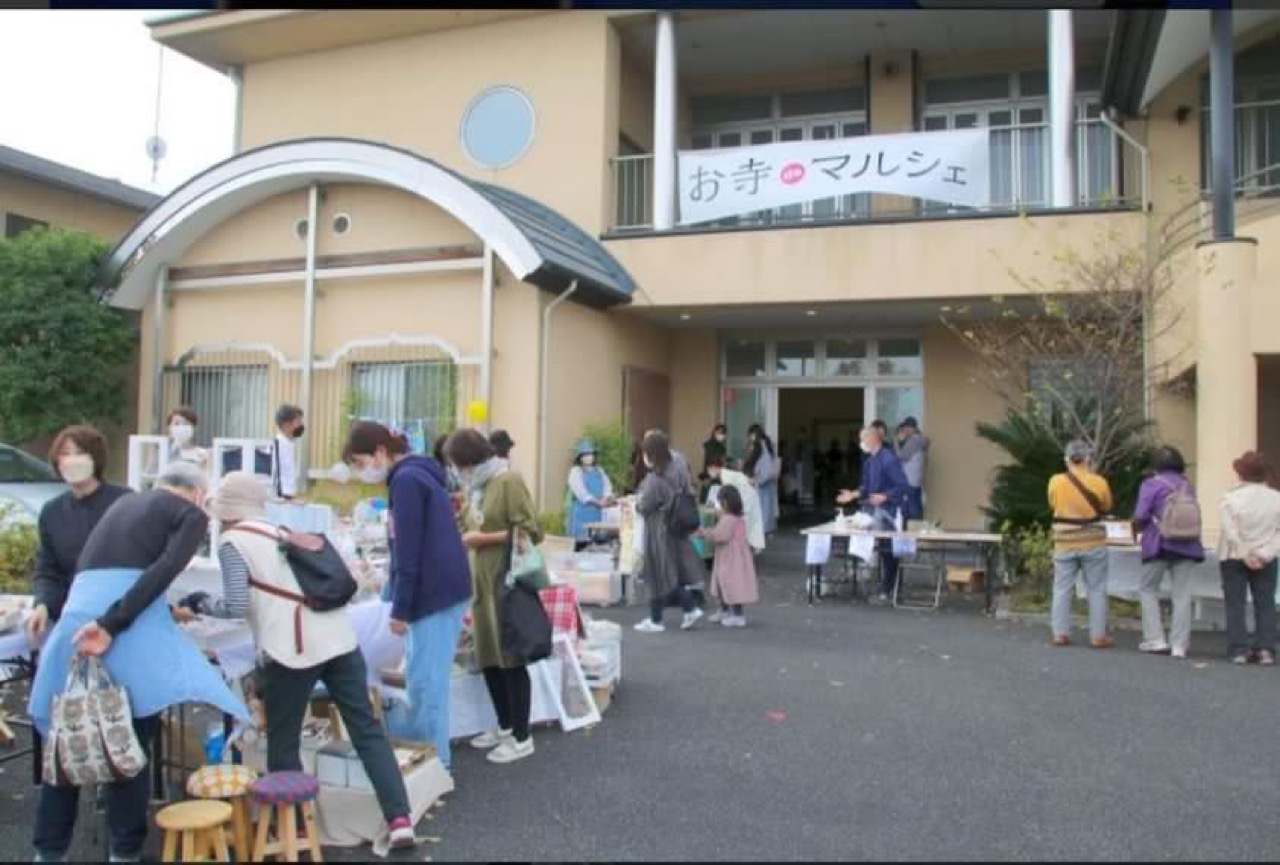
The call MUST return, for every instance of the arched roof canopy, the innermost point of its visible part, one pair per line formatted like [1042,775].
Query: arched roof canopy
[536,244]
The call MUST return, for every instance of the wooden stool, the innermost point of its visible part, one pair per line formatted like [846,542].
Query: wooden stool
[200,826]
[280,793]
[230,783]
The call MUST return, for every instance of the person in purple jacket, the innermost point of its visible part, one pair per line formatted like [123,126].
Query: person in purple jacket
[1161,555]
[430,585]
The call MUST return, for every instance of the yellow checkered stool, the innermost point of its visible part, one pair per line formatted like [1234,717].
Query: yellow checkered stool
[232,783]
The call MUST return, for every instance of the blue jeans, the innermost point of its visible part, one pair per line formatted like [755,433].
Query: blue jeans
[913,507]
[126,808]
[1092,565]
[429,649]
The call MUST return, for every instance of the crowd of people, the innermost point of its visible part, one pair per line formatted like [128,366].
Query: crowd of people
[108,557]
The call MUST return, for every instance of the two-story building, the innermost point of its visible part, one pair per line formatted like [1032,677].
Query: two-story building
[39,193]
[429,207]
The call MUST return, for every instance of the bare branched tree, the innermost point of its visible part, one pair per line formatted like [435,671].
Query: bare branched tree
[1080,345]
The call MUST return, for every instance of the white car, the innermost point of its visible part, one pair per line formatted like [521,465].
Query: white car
[26,484]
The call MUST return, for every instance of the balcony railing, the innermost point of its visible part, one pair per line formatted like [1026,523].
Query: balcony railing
[1110,173]
[1257,147]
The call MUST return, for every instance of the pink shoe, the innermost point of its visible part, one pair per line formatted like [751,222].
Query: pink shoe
[401,831]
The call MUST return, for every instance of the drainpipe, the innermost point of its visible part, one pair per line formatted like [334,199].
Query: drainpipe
[1222,119]
[309,321]
[1108,119]
[236,74]
[544,389]
[161,300]
[486,338]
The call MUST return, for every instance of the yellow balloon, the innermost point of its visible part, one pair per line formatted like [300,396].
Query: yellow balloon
[477,411]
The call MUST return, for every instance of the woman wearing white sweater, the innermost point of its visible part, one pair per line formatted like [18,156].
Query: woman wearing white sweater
[1248,546]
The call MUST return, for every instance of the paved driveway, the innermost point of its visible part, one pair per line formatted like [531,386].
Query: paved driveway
[849,732]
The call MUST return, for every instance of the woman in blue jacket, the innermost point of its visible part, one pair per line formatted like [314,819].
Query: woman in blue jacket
[430,585]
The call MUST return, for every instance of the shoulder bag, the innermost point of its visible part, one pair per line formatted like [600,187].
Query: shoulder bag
[322,575]
[1089,496]
[526,628]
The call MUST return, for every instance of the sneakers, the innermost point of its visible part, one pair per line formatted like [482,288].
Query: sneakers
[883,599]
[401,831]
[690,619]
[491,739]
[649,626]
[510,751]
[1161,648]
[1180,653]
[717,617]
[734,622]
[1240,658]
[1266,658]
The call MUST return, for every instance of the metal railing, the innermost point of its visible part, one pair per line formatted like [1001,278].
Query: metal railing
[1257,195]
[1111,172]
[1257,146]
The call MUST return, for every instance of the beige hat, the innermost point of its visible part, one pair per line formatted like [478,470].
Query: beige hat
[240,496]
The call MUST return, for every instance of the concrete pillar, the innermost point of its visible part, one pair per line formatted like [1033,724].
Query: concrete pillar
[1222,120]
[664,124]
[1062,128]
[891,109]
[1226,369]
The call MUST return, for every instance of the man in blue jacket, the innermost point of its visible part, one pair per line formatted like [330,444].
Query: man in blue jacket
[430,584]
[882,493]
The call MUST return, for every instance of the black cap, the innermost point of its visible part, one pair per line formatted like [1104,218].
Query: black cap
[909,422]
[501,441]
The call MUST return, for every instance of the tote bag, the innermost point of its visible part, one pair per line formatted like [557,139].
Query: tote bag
[91,737]
[526,629]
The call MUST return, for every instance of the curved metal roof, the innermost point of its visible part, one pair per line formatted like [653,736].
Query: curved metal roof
[537,244]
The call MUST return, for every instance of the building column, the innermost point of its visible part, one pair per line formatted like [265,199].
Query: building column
[1226,369]
[1222,123]
[1062,97]
[891,110]
[664,124]
[309,330]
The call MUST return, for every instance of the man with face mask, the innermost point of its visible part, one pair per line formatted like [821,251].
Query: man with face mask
[289,428]
[882,494]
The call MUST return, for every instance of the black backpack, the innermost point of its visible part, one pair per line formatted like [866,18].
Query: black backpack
[684,518]
[318,567]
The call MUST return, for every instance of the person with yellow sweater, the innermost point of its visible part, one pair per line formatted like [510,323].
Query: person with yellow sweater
[1079,497]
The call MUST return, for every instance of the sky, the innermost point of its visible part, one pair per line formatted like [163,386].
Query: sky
[80,89]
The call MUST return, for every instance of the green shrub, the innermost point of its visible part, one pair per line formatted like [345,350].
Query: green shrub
[552,522]
[1029,555]
[613,451]
[1019,490]
[18,545]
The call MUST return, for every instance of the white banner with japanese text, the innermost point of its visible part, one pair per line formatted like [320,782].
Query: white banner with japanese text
[942,166]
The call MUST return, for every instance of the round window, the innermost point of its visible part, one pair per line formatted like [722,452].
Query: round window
[497,128]
[341,223]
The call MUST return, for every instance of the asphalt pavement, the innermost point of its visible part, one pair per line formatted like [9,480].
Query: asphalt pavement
[842,731]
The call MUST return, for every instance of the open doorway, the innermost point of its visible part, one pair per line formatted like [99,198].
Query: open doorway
[818,439]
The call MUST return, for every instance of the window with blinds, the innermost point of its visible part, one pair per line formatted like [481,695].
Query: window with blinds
[230,401]
[401,394]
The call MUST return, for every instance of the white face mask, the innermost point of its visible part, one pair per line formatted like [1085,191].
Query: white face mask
[373,475]
[76,469]
[181,432]
[866,448]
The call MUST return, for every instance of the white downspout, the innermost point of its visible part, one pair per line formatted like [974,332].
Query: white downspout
[309,322]
[544,389]
[486,338]
[236,74]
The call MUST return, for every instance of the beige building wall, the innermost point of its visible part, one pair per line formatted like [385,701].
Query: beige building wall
[695,388]
[589,351]
[62,207]
[966,258]
[413,93]
[892,110]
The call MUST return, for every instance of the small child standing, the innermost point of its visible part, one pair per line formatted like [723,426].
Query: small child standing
[733,577]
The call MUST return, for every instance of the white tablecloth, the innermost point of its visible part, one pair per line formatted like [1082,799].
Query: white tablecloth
[14,646]
[1124,576]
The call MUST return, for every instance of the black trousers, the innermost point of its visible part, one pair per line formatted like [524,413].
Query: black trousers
[1238,582]
[679,595]
[512,694]
[126,807]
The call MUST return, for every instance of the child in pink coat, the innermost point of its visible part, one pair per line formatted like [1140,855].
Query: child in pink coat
[733,578]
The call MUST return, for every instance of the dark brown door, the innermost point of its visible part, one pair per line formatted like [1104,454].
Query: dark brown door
[646,401]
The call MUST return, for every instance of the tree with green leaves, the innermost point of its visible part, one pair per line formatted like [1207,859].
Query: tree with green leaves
[63,355]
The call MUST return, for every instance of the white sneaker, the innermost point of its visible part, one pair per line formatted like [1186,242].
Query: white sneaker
[1180,653]
[717,617]
[1154,648]
[649,626]
[738,621]
[510,751]
[691,619]
[491,739]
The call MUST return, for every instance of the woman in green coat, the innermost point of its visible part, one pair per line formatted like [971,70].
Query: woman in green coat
[497,501]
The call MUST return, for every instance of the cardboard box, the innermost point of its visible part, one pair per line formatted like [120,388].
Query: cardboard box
[338,764]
